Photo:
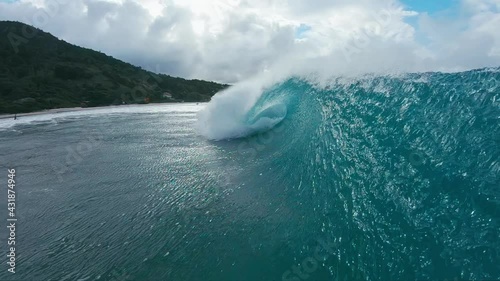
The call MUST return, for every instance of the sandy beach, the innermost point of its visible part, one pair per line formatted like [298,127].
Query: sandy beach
[49,111]
[72,109]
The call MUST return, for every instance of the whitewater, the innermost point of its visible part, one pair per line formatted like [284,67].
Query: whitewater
[402,171]
[294,177]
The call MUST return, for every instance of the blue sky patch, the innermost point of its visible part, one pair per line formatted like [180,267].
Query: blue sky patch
[300,32]
[430,6]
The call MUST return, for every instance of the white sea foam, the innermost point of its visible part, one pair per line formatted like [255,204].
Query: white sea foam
[225,116]
[51,116]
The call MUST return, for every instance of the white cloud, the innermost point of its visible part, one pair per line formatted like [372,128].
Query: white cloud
[229,40]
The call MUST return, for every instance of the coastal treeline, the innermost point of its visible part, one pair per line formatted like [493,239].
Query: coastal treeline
[39,71]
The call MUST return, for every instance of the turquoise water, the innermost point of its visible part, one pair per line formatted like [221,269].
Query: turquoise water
[373,178]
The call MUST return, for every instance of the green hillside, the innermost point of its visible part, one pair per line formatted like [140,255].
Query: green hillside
[39,71]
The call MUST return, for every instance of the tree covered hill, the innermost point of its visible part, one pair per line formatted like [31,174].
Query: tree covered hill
[38,71]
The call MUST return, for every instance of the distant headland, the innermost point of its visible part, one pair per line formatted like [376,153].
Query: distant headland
[39,71]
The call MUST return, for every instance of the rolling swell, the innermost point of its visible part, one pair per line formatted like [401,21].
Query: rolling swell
[402,172]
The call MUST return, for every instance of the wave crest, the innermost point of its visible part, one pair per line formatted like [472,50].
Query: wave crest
[239,112]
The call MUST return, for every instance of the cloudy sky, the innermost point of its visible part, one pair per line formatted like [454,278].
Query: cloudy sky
[230,40]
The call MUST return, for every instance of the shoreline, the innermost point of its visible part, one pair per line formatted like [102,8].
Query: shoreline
[76,109]
[48,111]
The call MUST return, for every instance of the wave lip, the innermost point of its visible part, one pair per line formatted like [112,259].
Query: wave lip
[250,108]
[220,125]
[227,114]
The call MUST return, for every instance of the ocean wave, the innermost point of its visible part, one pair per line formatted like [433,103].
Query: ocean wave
[400,160]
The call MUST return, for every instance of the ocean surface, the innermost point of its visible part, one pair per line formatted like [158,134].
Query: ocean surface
[367,178]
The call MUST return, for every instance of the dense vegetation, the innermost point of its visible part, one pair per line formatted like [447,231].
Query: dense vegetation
[39,71]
